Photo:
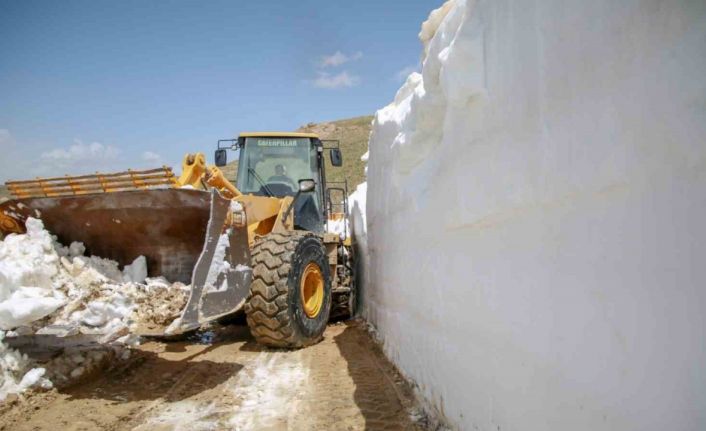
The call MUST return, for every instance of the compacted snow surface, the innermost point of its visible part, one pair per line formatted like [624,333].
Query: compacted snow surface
[45,286]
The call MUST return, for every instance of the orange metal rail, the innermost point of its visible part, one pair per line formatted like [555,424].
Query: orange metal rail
[96,183]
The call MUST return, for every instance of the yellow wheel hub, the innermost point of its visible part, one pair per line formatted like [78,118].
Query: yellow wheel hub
[312,290]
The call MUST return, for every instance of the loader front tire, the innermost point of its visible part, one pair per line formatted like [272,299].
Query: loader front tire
[290,295]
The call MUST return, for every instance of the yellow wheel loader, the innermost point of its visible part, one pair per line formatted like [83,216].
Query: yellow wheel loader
[262,246]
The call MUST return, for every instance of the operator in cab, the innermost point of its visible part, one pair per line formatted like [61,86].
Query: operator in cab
[280,176]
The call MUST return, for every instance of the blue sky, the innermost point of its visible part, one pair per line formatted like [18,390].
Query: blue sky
[97,85]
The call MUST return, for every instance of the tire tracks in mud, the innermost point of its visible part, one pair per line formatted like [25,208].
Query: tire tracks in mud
[344,382]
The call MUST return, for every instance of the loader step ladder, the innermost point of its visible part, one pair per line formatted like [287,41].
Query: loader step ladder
[95,183]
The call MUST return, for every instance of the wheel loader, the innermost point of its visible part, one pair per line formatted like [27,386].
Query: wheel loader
[261,245]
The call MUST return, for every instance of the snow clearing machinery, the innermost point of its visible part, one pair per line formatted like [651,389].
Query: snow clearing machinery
[275,244]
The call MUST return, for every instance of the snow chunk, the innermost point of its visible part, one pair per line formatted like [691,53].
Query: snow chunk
[25,306]
[136,272]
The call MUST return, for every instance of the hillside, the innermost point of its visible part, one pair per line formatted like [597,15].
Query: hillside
[353,136]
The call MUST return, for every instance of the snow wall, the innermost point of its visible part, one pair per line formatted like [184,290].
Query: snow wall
[535,211]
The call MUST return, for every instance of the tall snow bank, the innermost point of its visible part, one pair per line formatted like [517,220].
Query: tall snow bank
[535,216]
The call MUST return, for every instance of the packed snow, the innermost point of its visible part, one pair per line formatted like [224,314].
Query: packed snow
[356,202]
[267,389]
[263,395]
[48,288]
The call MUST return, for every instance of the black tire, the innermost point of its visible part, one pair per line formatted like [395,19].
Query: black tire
[274,309]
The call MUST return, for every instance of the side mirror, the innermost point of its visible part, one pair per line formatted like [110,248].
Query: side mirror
[336,157]
[306,186]
[221,157]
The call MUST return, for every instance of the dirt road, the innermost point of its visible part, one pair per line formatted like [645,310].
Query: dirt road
[229,382]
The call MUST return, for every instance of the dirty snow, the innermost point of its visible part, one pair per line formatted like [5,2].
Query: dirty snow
[16,372]
[47,288]
[265,394]
[219,265]
[184,415]
[267,390]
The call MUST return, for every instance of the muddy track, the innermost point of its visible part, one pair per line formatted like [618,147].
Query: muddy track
[342,383]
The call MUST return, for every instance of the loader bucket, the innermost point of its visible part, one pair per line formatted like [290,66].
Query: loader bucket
[121,216]
[177,230]
[167,226]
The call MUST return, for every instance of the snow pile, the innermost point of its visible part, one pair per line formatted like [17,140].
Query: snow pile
[28,264]
[535,206]
[46,288]
[43,282]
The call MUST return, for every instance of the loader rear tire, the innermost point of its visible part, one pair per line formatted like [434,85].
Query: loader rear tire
[276,312]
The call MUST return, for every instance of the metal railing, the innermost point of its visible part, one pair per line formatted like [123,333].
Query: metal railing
[94,183]
[334,209]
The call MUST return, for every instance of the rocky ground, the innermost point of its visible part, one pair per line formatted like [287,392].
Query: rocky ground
[223,380]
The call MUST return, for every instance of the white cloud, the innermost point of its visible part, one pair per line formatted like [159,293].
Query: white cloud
[152,158]
[20,161]
[405,72]
[338,58]
[77,159]
[339,80]
[81,152]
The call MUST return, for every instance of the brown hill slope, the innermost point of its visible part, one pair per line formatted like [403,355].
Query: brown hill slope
[353,136]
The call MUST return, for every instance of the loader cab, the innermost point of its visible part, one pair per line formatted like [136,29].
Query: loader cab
[272,164]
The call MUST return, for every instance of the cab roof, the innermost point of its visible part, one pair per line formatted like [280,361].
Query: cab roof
[278,135]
